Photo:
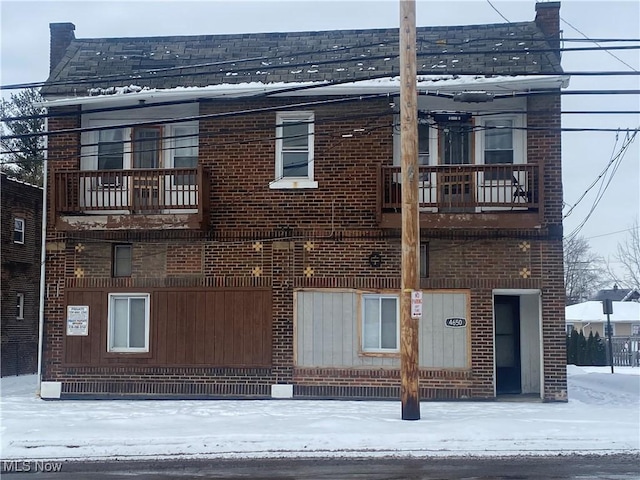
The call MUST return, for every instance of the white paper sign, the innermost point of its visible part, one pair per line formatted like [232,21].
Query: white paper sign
[78,320]
[416,304]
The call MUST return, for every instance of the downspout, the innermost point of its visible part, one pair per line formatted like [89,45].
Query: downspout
[43,256]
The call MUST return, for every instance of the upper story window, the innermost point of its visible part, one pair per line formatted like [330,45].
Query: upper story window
[460,139]
[294,150]
[380,323]
[145,147]
[20,306]
[185,153]
[502,143]
[18,230]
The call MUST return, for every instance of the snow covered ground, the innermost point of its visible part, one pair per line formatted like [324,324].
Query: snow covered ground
[601,417]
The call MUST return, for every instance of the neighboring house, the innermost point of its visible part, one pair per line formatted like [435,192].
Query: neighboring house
[617,294]
[225,214]
[21,245]
[589,317]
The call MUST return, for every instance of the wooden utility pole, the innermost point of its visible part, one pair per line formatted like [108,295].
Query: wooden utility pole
[409,391]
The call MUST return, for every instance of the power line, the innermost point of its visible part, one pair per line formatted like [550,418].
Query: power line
[138,106]
[202,117]
[605,49]
[615,161]
[498,12]
[152,74]
[611,233]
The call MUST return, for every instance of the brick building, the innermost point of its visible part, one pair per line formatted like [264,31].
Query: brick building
[21,245]
[225,214]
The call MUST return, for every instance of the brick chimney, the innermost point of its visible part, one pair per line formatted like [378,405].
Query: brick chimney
[61,37]
[548,20]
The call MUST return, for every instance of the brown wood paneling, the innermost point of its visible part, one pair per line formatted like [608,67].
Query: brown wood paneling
[85,349]
[199,342]
[214,327]
[218,328]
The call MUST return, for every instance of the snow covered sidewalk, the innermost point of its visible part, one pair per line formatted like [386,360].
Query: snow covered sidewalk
[601,417]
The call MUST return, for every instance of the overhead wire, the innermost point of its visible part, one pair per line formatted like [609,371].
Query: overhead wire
[422,92]
[152,74]
[606,49]
[614,164]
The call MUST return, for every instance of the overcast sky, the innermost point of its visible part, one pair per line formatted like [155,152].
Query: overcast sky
[25,56]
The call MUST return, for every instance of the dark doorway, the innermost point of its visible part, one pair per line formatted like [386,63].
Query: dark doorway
[507,344]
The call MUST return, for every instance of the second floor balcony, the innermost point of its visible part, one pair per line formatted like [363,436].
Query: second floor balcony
[132,199]
[466,196]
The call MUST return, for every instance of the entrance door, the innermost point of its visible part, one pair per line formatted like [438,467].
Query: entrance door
[507,344]
[146,155]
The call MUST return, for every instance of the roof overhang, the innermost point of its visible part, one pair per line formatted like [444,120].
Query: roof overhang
[442,84]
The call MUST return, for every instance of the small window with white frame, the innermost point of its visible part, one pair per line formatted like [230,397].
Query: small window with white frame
[18,230]
[294,150]
[128,330]
[570,328]
[380,323]
[20,306]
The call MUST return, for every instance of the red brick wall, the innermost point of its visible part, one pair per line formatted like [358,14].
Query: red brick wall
[258,236]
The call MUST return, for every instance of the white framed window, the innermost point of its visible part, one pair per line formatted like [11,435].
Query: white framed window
[503,139]
[184,151]
[154,146]
[18,230]
[380,323]
[570,328]
[496,139]
[128,326]
[294,150]
[20,306]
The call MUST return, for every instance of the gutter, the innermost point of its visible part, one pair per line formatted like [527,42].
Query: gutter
[43,258]
[506,85]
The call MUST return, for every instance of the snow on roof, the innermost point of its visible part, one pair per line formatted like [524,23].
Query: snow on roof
[591,311]
[444,84]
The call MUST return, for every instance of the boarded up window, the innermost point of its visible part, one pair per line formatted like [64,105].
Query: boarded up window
[328,332]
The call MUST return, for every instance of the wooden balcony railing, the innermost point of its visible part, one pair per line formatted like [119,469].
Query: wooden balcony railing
[450,189]
[145,191]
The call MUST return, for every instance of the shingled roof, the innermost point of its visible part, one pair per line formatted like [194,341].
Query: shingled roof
[92,66]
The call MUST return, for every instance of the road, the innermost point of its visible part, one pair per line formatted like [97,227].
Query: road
[613,467]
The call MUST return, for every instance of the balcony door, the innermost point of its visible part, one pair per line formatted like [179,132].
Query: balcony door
[147,155]
[456,185]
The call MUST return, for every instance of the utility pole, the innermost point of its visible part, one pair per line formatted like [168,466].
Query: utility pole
[410,282]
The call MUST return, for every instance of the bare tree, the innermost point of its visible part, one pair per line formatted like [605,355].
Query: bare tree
[584,271]
[22,157]
[628,255]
